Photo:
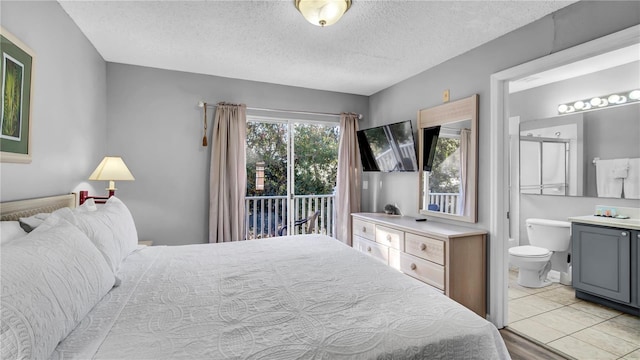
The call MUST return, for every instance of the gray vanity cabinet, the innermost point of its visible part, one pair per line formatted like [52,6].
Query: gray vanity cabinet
[605,265]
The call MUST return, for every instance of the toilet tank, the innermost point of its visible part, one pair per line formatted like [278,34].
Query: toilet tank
[549,234]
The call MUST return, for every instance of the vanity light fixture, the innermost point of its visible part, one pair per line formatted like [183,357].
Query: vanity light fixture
[598,102]
[322,12]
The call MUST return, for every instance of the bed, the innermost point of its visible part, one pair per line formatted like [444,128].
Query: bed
[291,297]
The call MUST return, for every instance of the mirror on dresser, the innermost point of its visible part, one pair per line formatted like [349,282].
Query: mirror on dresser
[448,160]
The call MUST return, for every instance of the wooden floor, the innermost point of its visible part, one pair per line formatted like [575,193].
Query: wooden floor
[523,349]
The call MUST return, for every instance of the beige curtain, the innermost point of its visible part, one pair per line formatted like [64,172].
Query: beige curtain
[228,178]
[348,184]
[464,205]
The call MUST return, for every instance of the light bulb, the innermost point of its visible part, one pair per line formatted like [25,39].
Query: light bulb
[578,105]
[622,100]
[563,108]
[634,95]
[571,109]
[595,101]
[613,99]
[587,106]
[604,103]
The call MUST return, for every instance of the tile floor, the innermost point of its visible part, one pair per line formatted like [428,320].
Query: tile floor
[578,329]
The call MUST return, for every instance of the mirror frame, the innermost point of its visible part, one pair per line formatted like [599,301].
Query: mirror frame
[459,110]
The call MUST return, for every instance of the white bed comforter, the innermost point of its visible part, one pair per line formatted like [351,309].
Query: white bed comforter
[296,297]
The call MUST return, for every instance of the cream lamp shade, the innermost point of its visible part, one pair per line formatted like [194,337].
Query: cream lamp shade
[111,168]
[322,12]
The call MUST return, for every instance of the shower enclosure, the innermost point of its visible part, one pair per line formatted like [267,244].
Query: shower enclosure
[544,165]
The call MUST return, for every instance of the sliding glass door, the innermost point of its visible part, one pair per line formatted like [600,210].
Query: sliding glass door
[291,176]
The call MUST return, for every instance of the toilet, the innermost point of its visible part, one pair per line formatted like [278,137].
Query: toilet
[549,250]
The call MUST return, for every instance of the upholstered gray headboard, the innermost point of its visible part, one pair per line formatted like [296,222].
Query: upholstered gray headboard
[13,210]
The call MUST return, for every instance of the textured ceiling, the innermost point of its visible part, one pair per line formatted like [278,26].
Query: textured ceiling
[375,45]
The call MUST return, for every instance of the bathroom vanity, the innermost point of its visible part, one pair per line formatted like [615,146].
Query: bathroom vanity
[605,254]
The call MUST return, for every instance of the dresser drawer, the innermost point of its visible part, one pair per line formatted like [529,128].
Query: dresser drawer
[390,237]
[424,247]
[364,229]
[423,270]
[371,248]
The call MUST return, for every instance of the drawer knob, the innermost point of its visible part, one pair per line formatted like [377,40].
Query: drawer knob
[368,248]
[364,229]
[413,266]
[388,237]
[423,247]
[623,234]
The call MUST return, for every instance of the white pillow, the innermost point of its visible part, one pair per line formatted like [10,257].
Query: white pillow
[10,230]
[98,230]
[50,280]
[114,216]
[32,222]
[89,205]
[124,228]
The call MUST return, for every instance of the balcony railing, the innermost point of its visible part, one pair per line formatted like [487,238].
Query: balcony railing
[389,161]
[444,202]
[266,215]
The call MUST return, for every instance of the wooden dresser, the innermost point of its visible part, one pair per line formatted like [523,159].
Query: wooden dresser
[448,257]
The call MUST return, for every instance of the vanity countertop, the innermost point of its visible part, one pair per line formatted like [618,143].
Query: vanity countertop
[633,224]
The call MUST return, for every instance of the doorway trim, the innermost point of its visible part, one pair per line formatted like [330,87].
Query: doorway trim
[499,156]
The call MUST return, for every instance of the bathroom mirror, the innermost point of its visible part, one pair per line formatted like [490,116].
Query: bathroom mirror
[449,190]
[560,154]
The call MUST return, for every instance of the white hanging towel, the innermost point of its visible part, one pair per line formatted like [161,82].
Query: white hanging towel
[632,182]
[620,168]
[606,184]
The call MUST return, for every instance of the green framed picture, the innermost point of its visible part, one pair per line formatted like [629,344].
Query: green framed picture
[17,78]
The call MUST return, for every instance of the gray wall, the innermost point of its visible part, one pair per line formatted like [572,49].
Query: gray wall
[156,126]
[468,74]
[69,111]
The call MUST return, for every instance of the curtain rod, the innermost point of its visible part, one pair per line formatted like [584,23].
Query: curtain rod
[204,104]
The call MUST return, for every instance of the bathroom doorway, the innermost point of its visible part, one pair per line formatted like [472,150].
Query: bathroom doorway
[550,315]
[501,146]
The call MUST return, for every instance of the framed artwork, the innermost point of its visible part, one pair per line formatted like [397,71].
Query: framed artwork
[17,79]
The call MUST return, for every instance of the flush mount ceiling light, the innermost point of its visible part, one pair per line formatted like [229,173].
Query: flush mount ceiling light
[598,102]
[322,12]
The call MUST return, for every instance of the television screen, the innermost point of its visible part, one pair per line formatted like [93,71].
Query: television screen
[429,142]
[388,148]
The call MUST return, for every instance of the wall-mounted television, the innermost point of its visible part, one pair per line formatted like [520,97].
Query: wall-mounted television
[388,148]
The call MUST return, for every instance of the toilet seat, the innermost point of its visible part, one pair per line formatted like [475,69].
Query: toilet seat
[529,251]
